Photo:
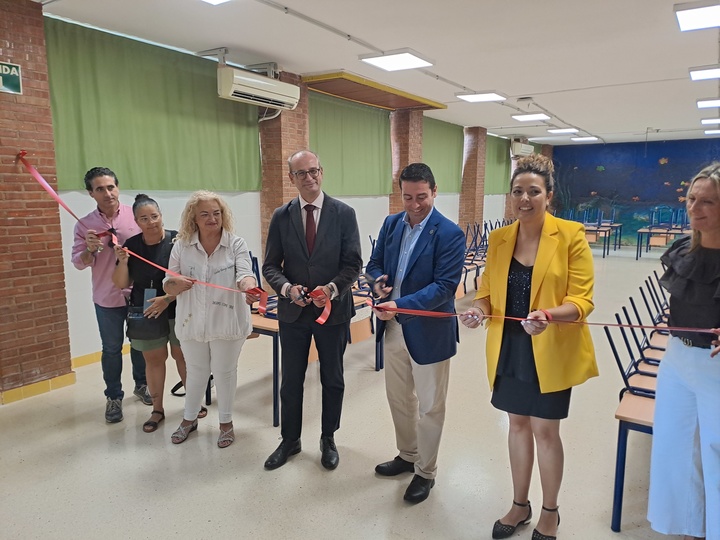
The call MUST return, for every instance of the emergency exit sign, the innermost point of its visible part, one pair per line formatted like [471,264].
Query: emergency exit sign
[10,78]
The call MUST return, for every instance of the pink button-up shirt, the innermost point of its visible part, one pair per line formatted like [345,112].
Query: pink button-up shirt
[105,294]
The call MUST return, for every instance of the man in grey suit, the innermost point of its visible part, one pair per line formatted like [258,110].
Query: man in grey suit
[313,244]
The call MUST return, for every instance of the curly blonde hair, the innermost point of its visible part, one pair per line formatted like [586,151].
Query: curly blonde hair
[712,173]
[536,164]
[188,227]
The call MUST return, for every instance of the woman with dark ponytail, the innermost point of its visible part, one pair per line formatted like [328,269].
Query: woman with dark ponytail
[155,310]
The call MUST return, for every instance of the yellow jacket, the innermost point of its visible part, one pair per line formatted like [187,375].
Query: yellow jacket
[563,273]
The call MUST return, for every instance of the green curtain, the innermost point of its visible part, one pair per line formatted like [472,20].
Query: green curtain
[497,165]
[443,146]
[150,114]
[353,142]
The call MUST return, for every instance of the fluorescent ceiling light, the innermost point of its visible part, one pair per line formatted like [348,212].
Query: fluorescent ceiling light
[703,73]
[396,60]
[215,2]
[562,130]
[706,121]
[530,117]
[583,139]
[708,103]
[697,15]
[479,97]
[712,132]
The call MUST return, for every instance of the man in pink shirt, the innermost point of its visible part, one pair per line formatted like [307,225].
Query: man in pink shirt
[93,248]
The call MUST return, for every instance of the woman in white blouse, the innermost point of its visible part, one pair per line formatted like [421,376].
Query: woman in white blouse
[211,324]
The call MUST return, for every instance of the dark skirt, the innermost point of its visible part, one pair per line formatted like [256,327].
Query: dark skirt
[524,398]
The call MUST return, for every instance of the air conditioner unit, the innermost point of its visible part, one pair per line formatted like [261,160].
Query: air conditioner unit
[249,87]
[520,149]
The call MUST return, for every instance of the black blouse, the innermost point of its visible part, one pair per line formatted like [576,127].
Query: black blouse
[693,280]
[516,354]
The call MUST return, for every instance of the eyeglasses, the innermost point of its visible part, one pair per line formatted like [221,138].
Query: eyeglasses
[148,219]
[302,175]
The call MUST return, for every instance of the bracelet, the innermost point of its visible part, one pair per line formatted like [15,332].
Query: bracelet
[481,311]
[547,314]
[90,252]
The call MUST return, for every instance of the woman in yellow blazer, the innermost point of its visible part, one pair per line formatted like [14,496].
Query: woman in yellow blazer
[540,269]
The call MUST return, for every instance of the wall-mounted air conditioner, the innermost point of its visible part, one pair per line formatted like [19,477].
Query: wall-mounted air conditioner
[249,87]
[520,149]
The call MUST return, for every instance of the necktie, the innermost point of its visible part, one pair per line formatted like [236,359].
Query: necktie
[310,231]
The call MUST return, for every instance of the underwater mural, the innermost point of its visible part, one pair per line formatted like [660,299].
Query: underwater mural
[637,184]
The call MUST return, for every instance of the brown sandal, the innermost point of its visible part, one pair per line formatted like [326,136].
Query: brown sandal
[203,412]
[152,425]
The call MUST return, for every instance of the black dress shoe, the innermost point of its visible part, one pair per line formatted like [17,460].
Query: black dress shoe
[419,489]
[330,457]
[280,456]
[395,467]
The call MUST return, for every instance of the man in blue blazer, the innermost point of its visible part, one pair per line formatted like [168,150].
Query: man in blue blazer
[313,243]
[417,264]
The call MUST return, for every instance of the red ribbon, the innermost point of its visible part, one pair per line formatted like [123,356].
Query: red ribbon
[43,183]
[319,293]
[439,314]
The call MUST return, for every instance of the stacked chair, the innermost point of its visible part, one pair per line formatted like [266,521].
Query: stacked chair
[638,371]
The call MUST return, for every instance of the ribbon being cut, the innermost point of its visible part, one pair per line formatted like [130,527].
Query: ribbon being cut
[318,293]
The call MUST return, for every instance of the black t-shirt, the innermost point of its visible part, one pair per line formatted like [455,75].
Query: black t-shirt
[145,276]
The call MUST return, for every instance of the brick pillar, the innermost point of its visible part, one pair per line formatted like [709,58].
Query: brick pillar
[279,139]
[34,337]
[547,150]
[472,194]
[406,132]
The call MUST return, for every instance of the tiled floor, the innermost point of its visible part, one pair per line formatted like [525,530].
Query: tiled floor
[64,473]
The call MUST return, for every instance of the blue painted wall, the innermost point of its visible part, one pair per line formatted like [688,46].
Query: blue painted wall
[641,182]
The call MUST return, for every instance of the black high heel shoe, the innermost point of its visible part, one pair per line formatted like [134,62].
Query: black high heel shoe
[539,536]
[501,530]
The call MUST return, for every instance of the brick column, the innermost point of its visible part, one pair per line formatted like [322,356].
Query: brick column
[547,150]
[34,337]
[406,132]
[279,139]
[472,194]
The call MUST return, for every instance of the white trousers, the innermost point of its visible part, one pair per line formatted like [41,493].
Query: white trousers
[416,394]
[685,467]
[219,357]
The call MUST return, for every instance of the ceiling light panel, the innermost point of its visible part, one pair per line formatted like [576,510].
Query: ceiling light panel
[708,103]
[559,131]
[698,15]
[710,121]
[532,117]
[703,73]
[480,97]
[215,2]
[712,132]
[583,139]
[396,60]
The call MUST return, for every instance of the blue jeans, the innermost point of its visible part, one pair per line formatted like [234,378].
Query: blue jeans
[111,322]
